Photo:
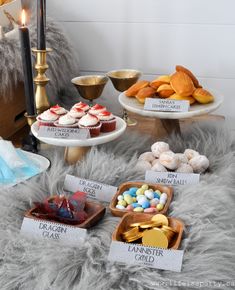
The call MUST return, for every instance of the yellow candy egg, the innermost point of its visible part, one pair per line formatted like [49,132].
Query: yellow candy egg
[138,209]
[128,199]
[158,192]
[122,202]
[134,199]
[145,186]
[140,191]
[160,206]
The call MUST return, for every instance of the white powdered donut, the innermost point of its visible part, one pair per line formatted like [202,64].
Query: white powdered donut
[182,157]
[159,147]
[199,163]
[143,165]
[190,153]
[184,168]
[169,160]
[155,161]
[147,156]
[158,167]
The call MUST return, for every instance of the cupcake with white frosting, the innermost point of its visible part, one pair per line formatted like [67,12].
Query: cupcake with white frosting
[82,106]
[57,109]
[108,121]
[76,113]
[90,122]
[47,118]
[96,109]
[66,121]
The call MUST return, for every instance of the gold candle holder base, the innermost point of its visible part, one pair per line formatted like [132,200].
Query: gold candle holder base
[30,119]
[41,99]
[75,154]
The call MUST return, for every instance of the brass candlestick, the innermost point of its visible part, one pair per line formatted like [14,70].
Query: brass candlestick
[41,80]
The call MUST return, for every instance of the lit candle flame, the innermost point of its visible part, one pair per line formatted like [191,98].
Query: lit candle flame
[23,17]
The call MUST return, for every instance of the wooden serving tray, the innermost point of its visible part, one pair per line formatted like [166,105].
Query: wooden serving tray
[130,218]
[95,212]
[125,186]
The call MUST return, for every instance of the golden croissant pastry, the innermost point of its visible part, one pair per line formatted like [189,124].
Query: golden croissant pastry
[133,90]
[190,74]
[182,84]
[160,81]
[180,98]
[144,93]
[164,91]
[203,96]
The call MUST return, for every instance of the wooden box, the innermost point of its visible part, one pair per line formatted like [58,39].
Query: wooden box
[130,218]
[125,186]
[12,112]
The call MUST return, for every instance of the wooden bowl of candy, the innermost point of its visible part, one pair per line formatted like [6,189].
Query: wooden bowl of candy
[133,227]
[88,216]
[139,197]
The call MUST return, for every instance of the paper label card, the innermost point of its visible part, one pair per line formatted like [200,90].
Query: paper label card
[94,189]
[53,231]
[63,133]
[166,105]
[172,178]
[149,256]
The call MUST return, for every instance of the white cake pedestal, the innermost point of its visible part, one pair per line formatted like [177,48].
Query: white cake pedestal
[76,149]
[170,120]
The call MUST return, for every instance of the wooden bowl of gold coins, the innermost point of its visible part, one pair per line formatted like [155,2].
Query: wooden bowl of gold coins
[150,230]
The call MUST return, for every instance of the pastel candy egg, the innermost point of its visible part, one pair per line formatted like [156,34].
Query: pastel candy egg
[149,194]
[138,209]
[126,192]
[130,207]
[160,206]
[139,197]
[128,199]
[164,195]
[122,202]
[150,210]
[140,191]
[120,206]
[154,201]
[134,199]
[162,201]
[146,204]
[145,186]
[133,190]
[142,200]
[135,204]
[120,197]
[156,195]
[158,192]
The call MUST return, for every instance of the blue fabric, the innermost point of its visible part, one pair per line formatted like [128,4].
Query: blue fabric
[7,175]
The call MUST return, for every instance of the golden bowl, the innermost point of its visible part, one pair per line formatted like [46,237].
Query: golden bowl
[124,78]
[90,87]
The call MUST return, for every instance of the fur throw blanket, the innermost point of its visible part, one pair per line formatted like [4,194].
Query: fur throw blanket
[207,210]
[63,63]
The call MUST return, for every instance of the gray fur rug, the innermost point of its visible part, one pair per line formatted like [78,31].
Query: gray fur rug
[207,210]
[62,61]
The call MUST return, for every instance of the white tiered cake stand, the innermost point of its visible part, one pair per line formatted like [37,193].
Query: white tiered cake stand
[76,149]
[170,120]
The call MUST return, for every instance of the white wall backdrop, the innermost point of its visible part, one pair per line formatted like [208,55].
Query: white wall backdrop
[153,36]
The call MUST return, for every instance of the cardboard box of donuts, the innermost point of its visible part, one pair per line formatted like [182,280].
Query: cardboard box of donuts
[181,85]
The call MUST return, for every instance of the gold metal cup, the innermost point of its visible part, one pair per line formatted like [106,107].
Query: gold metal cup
[41,80]
[90,87]
[123,79]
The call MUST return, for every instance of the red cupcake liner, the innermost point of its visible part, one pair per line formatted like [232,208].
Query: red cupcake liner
[94,130]
[108,126]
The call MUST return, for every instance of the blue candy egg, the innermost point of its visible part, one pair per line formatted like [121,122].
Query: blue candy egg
[156,195]
[146,204]
[133,190]
[135,204]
